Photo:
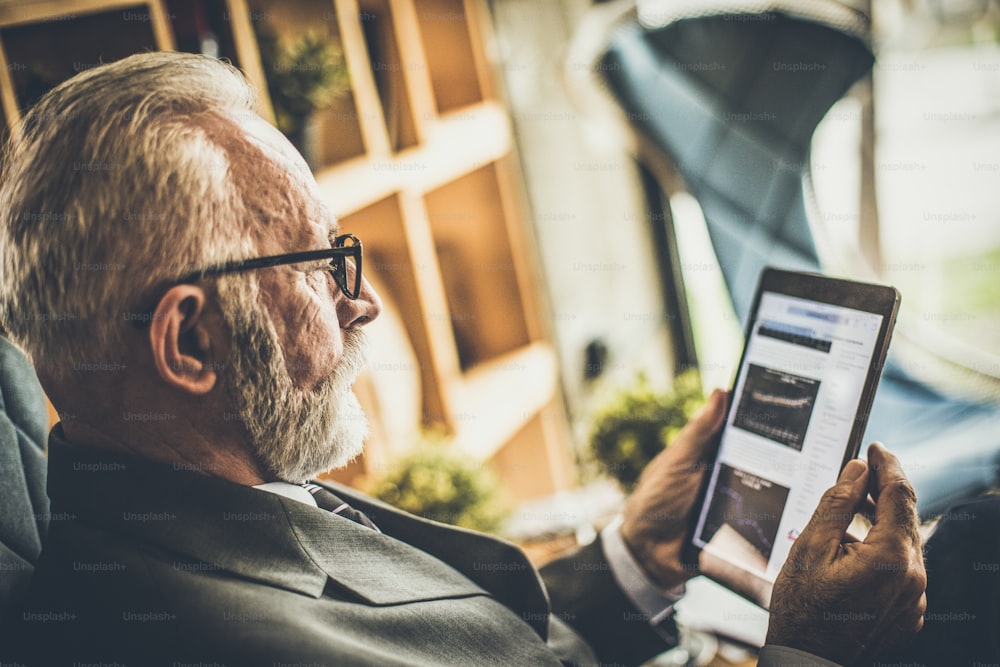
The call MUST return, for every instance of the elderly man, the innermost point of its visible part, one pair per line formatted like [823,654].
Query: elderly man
[197,319]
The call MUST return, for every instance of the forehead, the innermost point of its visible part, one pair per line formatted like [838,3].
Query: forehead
[292,198]
[267,137]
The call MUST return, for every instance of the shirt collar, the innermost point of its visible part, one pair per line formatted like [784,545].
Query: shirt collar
[293,491]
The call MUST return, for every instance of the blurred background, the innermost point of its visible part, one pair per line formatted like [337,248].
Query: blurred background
[555,305]
[517,262]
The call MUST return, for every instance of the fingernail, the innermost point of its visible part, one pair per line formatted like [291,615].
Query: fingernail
[854,469]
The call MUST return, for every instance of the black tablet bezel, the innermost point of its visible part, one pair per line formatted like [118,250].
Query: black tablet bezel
[868,297]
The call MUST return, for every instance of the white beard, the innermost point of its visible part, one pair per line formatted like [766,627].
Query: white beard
[294,434]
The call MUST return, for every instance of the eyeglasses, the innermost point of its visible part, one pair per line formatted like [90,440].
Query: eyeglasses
[345,247]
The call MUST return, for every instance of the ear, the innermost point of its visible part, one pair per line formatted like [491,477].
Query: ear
[182,344]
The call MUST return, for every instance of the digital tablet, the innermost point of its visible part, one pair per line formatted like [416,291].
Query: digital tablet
[813,356]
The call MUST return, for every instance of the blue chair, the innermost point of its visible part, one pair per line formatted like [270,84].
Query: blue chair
[728,102]
[24,505]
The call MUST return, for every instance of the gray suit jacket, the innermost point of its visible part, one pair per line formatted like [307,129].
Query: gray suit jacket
[153,565]
[24,507]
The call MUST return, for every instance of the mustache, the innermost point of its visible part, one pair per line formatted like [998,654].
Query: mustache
[357,349]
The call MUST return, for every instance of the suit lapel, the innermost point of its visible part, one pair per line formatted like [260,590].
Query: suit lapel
[286,543]
[375,567]
[498,566]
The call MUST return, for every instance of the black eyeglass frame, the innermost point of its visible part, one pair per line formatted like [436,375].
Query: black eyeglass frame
[338,270]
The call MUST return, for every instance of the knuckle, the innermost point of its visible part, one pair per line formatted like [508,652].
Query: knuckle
[837,496]
[917,617]
[901,491]
[916,582]
[893,561]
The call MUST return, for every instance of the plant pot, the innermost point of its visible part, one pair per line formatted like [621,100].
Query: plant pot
[305,136]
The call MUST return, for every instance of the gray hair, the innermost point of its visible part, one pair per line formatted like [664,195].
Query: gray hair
[116,182]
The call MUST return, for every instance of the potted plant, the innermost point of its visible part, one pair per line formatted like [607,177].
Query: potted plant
[636,423]
[303,75]
[440,485]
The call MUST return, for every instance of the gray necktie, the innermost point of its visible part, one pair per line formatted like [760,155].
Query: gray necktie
[327,500]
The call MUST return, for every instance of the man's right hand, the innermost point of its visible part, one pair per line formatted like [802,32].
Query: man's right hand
[845,600]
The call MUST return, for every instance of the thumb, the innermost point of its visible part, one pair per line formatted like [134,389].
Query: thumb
[705,422]
[825,530]
[692,444]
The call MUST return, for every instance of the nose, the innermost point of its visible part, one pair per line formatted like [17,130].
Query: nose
[360,311]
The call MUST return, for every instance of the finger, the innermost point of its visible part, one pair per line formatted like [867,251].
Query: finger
[828,525]
[688,453]
[886,467]
[695,438]
[921,611]
[706,421]
[867,510]
[895,500]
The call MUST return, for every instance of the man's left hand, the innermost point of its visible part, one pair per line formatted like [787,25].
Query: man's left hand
[657,515]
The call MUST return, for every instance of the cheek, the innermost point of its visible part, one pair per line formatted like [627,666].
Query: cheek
[313,351]
[309,334]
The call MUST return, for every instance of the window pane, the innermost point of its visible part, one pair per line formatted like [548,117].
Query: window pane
[937,165]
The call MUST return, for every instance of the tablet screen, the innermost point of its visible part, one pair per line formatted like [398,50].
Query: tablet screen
[798,390]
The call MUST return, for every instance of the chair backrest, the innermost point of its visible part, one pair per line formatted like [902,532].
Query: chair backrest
[730,102]
[734,99]
[24,505]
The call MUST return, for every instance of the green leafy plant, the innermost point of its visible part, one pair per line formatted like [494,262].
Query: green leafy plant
[636,423]
[444,486]
[303,75]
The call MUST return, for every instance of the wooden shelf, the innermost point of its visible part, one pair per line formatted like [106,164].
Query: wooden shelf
[454,53]
[534,463]
[402,260]
[494,400]
[391,71]
[21,12]
[204,26]
[339,126]
[44,53]
[456,144]
[417,160]
[478,265]
[8,101]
